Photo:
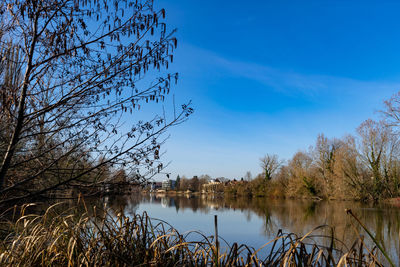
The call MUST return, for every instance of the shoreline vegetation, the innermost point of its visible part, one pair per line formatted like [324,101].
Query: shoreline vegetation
[363,167]
[255,189]
[101,237]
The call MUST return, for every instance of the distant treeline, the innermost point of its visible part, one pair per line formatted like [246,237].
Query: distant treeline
[364,166]
[194,184]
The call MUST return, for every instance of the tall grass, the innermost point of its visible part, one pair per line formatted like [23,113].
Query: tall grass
[98,237]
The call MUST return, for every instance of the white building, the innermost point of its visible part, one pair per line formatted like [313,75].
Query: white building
[168,184]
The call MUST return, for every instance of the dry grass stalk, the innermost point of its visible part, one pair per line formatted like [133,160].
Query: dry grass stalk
[100,238]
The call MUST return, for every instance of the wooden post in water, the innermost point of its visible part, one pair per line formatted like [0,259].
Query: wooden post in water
[216,238]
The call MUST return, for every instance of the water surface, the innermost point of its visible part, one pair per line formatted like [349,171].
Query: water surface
[256,221]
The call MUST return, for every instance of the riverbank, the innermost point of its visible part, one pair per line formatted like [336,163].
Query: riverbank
[262,189]
[188,193]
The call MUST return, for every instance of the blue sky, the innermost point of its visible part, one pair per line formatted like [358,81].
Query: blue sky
[269,76]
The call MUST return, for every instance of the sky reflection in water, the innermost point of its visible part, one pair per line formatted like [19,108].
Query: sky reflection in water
[256,221]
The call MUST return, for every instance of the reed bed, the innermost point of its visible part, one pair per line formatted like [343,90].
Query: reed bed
[99,237]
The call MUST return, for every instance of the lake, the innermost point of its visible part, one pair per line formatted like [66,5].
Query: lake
[256,221]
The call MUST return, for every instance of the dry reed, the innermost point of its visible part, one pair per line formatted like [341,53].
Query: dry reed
[100,238]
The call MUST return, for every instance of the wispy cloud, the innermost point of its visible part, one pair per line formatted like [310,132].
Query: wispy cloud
[291,82]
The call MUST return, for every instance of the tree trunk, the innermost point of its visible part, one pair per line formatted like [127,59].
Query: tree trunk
[21,112]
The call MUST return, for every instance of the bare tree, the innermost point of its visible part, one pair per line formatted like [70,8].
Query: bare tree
[194,183]
[72,110]
[183,183]
[301,174]
[248,176]
[269,164]
[392,111]
[326,151]
[379,150]
[325,158]
[374,137]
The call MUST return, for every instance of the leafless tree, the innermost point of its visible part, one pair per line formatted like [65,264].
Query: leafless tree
[392,111]
[82,70]
[248,176]
[326,151]
[379,150]
[269,164]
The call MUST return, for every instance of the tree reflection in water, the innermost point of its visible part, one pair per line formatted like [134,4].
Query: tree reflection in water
[297,216]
